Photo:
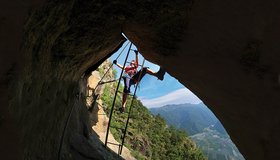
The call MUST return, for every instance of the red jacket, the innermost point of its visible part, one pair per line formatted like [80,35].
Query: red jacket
[131,70]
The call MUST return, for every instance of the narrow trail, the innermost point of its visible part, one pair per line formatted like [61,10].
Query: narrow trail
[101,120]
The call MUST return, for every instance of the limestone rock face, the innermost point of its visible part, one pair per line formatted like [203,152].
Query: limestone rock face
[226,52]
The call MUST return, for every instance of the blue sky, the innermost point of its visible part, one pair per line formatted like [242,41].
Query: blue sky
[153,92]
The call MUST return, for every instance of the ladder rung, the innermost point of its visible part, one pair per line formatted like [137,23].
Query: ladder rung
[114,143]
[110,81]
[122,112]
[118,109]
[117,127]
[127,93]
[100,105]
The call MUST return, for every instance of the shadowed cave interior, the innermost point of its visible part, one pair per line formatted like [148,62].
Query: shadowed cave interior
[226,52]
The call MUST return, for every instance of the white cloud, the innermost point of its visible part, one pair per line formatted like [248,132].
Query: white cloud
[179,96]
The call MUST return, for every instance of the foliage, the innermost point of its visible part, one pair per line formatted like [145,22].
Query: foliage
[205,129]
[100,70]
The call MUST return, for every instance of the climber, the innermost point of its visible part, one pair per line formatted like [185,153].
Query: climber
[132,76]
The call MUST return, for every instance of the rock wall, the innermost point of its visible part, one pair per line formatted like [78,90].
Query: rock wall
[226,52]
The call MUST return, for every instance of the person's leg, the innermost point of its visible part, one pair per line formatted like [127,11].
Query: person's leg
[151,72]
[126,90]
[138,76]
[124,98]
[126,85]
[159,74]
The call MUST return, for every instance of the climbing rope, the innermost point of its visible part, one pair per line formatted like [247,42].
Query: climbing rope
[108,81]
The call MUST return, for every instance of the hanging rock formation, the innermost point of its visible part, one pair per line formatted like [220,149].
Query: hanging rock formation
[226,52]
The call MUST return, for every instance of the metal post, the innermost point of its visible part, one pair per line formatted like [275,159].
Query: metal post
[112,109]
[126,125]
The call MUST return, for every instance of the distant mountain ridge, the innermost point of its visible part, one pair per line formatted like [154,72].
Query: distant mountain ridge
[192,118]
[219,128]
[203,126]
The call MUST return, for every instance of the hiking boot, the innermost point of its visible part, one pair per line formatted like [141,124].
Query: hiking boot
[160,74]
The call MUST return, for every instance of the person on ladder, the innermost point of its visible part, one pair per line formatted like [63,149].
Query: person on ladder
[132,76]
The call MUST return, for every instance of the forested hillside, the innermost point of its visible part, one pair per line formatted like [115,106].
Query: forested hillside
[192,118]
[206,130]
